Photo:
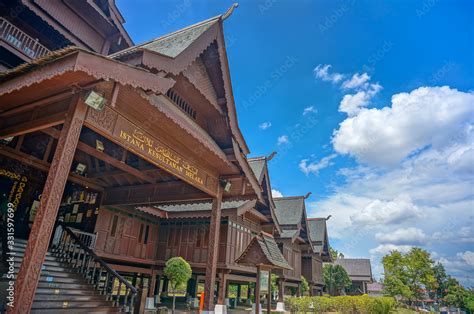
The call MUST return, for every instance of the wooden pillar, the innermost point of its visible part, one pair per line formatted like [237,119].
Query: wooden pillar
[257,292]
[213,248]
[30,269]
[281,290]
[151,289]
[269,296]
[222,289]
[239,292]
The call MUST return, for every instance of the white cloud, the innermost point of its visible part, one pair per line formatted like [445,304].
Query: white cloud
[265,125]
[396,211]
[314,167]
[427,116]
[467,257]
[357,81]
[403,236]
[283,140]
[454,234]
[309,109]
[276,193]
[461,266]
[352,104]
[384,249]
[322,72]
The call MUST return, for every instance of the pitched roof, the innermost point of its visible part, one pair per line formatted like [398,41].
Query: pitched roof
[201,206]
[258,165]
[317,233]
[288,233]
[357,268]
[289,210]
[173,44]
[270,254]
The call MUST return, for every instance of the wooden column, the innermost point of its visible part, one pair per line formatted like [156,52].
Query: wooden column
[269,295]
[151,289]
[239,292]
[213,247]
[222,289]
[30,269]
[281,290]
[257,292]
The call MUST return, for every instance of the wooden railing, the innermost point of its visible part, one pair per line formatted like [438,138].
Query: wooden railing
[87,238]
[70,249]
[21,41]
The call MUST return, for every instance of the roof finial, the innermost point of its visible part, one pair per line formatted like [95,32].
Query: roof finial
[327,218]
[270,157]
[307,195]
[229,11]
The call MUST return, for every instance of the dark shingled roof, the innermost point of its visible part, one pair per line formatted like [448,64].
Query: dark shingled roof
[359,269]
[317,233]
[202,206]
[267,245]
[257,164]
[289,210]
[171,45]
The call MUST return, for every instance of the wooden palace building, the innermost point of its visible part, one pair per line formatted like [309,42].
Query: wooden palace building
[115,157]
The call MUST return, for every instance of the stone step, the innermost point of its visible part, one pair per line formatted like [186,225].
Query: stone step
[68,297]
[69,304]
[95,310]
[66,286]
[86,290]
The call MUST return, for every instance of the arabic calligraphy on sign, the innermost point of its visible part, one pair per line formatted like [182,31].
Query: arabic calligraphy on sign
[160,153]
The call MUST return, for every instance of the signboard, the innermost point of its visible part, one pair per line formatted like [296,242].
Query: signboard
[264,278]
[150,148]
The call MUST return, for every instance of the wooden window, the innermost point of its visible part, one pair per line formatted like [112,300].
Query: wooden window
[114,226]
[147,230]
[140,235]
[198,237]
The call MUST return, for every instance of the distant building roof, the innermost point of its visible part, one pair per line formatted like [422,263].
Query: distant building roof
[289,210]
[258,165]
[358,269]
[317,232]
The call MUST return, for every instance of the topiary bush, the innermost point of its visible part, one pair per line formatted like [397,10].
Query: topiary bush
[343,304]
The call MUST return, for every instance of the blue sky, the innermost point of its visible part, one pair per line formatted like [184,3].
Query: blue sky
[382,145]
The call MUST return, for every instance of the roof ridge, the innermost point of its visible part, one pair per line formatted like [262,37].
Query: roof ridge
[176,32]
[288,197]
[256,158]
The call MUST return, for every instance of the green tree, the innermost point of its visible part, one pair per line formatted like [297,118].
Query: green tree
[408,275]
[456,295]
[304,286]
[335,278]
[441,281]
[178,272]
[335,254]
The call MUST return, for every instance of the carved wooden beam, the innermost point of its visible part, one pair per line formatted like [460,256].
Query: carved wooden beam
[44,166]
[173,191]
[33,125]
[105,158]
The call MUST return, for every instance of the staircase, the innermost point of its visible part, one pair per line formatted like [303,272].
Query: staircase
[62,290]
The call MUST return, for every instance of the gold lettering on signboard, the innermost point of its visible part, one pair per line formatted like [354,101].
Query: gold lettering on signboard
[162,154]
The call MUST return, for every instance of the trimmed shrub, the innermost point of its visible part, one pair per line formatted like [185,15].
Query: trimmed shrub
[343,304]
